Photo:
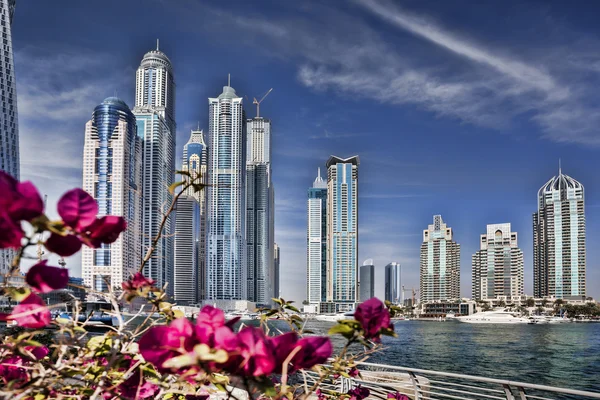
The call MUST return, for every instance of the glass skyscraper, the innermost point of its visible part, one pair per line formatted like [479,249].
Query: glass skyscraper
[559,259]
[498,265]
[187,242]
[393,282]
[155,114]
[316,238]
[9,124]
[367,280]
[440,263]
[195,161]
[342,232]
[259,212]
[226,242]
[112,174]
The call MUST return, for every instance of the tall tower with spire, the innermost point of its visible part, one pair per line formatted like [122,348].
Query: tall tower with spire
[559,248]
[155,114]
[316,242]
[226,201]
[9,124]
[260,213]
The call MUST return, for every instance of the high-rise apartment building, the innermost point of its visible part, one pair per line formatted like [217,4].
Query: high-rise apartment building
[259,212]
[276,274]
[316,242]
[498,265]
[187,241]
[226,201]
[393,282]
[155,114]
[440,263]
[342,232]
[367,280]
[112,174]
[559,258]
[195,161]
[9,124]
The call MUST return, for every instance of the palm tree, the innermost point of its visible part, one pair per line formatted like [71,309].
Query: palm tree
[530,302]
[501,303]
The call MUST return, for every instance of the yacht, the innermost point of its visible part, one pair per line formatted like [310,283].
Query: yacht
[493,317]
[334,317]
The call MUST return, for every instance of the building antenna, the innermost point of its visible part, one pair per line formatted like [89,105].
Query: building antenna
[157,44]
[229,80]
[198,125]
[559,167]
[257,102]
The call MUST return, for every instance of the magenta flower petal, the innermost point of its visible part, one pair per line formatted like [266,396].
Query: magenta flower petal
[10,232]
[373,316]
[11,370]
[104,230]
[283,346]
[64,246]
[31,312]
[8,189]
[161,343]
[137,281]
[77,209]
[38,352]
[44,279]
[27,204]
[136,387]
[314,350]
[211,316]
[256,351]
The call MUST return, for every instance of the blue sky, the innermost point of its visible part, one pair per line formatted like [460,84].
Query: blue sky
[455,108]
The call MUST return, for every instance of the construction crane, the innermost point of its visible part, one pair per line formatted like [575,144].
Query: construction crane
[410,290]
[257,102]
[40,248]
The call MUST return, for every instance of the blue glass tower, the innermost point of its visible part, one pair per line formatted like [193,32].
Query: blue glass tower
[316,270]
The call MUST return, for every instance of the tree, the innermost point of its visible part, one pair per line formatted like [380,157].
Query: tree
[530,302]
[501,303]
[305,302]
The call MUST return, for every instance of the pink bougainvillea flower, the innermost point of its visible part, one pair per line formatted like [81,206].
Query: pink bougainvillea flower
[283,345]
[136,387]
[353,372]
[103,230]
[44,279]
[359,393]
[77,209]
[373,316]
[11,370]
[20,200]
[10,232]
[137,281]
[161,343]
[38,352]
[64,246]
[31,312]
[256,352]
[313,350]
[397,396]
[212,316]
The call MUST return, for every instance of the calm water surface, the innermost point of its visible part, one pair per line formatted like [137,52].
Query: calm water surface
[566,355]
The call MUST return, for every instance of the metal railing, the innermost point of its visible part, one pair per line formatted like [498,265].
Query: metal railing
[421,384]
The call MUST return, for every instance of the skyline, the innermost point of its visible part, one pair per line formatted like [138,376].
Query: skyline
[455,179]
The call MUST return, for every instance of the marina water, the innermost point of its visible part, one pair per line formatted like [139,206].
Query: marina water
[566,355]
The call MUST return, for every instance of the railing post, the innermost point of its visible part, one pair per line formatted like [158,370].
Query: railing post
[415,383]
[507,392]
[522,393]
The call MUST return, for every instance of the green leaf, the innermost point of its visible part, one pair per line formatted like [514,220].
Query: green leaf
[174,186]
[344,330]
[292,308]
[18,294]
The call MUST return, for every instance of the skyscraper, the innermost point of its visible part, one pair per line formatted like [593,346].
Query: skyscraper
[393,282]
[559,259]
[367,280]
[276,266]
[342,232]
[155,114]
[498,265]
[259,211]
[316,242]
[112,174]
[226,243]
[440,263]
[187,241]
[9,125]
[195,161]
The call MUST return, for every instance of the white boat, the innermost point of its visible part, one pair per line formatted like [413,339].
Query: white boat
[332,317]
[557,320]
[450,315]
[493,317]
